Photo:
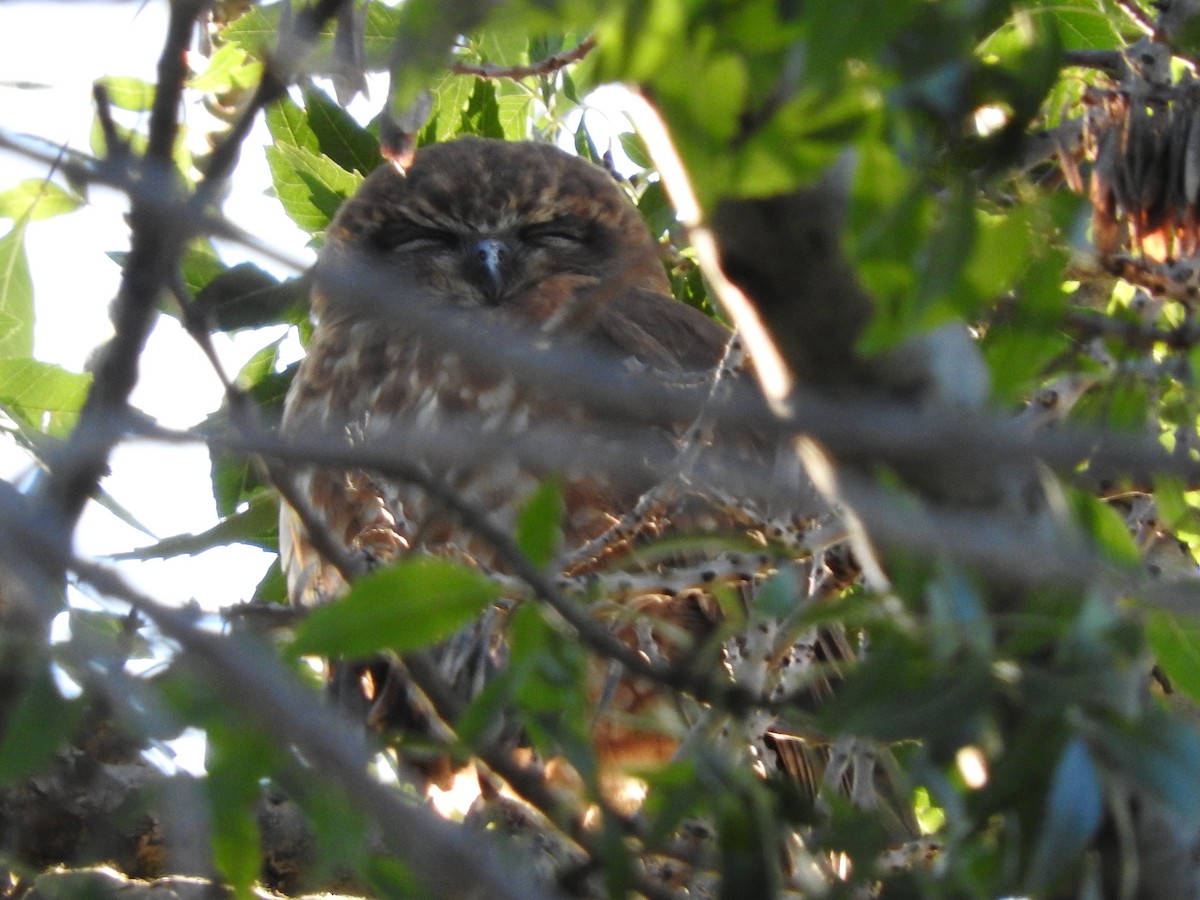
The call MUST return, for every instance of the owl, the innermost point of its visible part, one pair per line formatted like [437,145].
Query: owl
[427,275]
[524,244]
[465,308]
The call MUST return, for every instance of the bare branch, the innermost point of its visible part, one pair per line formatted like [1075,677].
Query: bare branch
[117,174]
[157,241]
[547,66]
[172,72]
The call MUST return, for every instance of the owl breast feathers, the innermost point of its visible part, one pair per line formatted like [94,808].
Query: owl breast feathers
[438,282]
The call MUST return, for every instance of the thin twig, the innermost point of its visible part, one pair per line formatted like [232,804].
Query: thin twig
[547,66]
[117,174]
[1108,61]
[1135,335]
[155,245]
[172,73]
[114,146]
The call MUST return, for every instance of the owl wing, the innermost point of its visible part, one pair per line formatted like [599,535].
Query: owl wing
[660,331]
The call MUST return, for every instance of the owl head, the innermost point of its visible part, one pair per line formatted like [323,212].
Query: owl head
[514,227]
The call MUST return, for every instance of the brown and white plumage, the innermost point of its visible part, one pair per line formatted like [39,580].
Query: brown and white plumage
[434,283]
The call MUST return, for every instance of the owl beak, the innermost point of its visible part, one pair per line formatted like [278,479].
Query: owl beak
[491,255]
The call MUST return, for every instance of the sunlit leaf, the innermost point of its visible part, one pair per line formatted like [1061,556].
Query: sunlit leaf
[635,149]
[16,295]
[310,187]
[230,67]
[37,198]
[258,28]
[289,126]
[132,94]
[45,395]
[513,113]
[199,266]
[450,98]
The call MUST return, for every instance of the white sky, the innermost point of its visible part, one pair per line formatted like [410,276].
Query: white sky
[167,489]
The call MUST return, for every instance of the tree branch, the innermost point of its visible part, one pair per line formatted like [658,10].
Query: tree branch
[547,66]
[444,857]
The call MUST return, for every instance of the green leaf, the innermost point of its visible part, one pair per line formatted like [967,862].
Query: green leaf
[513,112]
[37,198]
[310,187]
[237,760]
[234,480]
[539,525]
[482,115]
[289,126]
[38,722]
[845,31]
[635,149]
[256,32]
[1178,515]
[44,395]
[779,595]
[199,266]
[450,98]
[1074,809]
[16,295]
[1106,527]
[898,694]
[272,588]
[1163,753]
[247,297]
[1175,641]
[957,619]
[503,46]
[256,29]
[106,500]
[132,94]
[551,688]
[230,67]
[746,860]
[256,525]
[107,633]
[341,138]
[414,603]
